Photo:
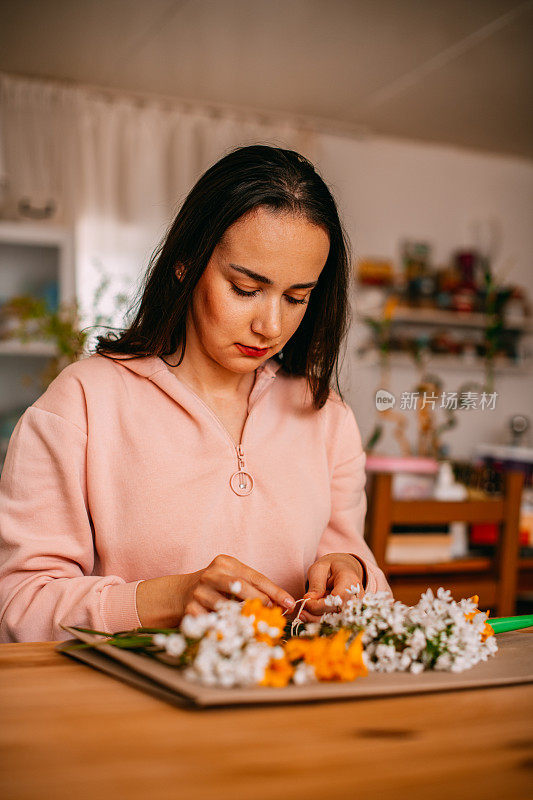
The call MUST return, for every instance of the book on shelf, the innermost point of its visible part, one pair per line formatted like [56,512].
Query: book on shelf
[419,544]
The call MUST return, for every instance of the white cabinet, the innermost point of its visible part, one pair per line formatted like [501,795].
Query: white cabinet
[37,260]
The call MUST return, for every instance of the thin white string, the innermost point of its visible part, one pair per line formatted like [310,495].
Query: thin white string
[295,603]
[297,622]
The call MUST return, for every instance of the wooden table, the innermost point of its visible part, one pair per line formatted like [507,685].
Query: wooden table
[68,731]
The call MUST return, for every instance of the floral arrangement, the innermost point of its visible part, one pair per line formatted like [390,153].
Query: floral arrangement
[249,644]
[437,633]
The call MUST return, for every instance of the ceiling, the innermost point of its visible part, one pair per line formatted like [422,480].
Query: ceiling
[450,71]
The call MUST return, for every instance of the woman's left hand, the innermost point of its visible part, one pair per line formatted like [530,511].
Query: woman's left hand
[331,574]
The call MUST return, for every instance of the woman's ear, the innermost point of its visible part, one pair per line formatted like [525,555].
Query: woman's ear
[179,272]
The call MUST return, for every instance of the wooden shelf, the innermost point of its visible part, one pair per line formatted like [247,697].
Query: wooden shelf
[11,347]
[34,256]
[438,361]
[435,512]
[474,564]
[467,564]
[435,318]
[439,317]
[495,578]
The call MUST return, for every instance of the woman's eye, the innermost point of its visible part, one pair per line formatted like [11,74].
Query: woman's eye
[242,292]
[288,298]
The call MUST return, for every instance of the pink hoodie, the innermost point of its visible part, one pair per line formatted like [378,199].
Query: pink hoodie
[120,472]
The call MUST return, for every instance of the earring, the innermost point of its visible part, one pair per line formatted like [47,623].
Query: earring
[179,275]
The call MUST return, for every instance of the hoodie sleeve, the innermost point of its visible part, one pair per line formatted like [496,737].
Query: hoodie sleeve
[344,532]
[46,539]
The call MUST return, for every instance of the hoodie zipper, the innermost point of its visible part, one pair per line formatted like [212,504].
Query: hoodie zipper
[241,481]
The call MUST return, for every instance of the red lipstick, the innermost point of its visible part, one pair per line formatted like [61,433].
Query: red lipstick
[253,351]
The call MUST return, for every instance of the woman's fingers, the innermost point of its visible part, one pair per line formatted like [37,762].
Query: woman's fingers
[278,596]
[194,608]
[316,607]
[238,587]
[224,565]
[208,596]
[305,616]
[317,575]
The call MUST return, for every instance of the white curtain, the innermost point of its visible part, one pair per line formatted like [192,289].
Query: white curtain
[115,169]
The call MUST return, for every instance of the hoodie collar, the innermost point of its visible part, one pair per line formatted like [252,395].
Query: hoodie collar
[155,369]
[264,376]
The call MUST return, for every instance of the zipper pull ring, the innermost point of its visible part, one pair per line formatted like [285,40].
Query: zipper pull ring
[241,482]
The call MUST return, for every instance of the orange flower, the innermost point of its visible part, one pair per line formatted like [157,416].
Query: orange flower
[488,630]
[278,673]
[330,656]
[266,620]
[475,599]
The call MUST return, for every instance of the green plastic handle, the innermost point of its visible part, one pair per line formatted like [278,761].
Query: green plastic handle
[502,624]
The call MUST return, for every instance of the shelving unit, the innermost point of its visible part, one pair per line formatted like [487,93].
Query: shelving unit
[31,256]
[461,319]
[437,362]
[497,580]
[14,348]
[414,319]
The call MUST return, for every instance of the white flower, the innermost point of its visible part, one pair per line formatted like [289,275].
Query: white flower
[195,627]
[304,673]
[312,628]
[175,644]
[333,600]
[235,587]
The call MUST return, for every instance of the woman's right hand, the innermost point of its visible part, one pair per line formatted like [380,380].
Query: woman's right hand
[162,602]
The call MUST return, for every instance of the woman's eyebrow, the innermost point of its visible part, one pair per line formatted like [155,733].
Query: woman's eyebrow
[262,279]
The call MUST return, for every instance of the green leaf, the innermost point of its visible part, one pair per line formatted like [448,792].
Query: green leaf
[89,630]
[134,642]
[148,630]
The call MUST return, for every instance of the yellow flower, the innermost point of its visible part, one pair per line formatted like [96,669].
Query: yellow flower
[330,656]
[278,673]
[389,308]
[269,623]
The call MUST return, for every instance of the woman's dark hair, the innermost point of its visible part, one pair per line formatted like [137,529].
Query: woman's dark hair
[246,178]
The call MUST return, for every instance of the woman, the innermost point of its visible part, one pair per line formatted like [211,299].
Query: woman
[201,451]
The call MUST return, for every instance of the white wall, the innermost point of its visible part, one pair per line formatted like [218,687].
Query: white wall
[389,190]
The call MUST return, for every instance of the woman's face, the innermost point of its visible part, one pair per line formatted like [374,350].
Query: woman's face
[255,288]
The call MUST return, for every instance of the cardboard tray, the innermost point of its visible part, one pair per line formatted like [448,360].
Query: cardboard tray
[512,664]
